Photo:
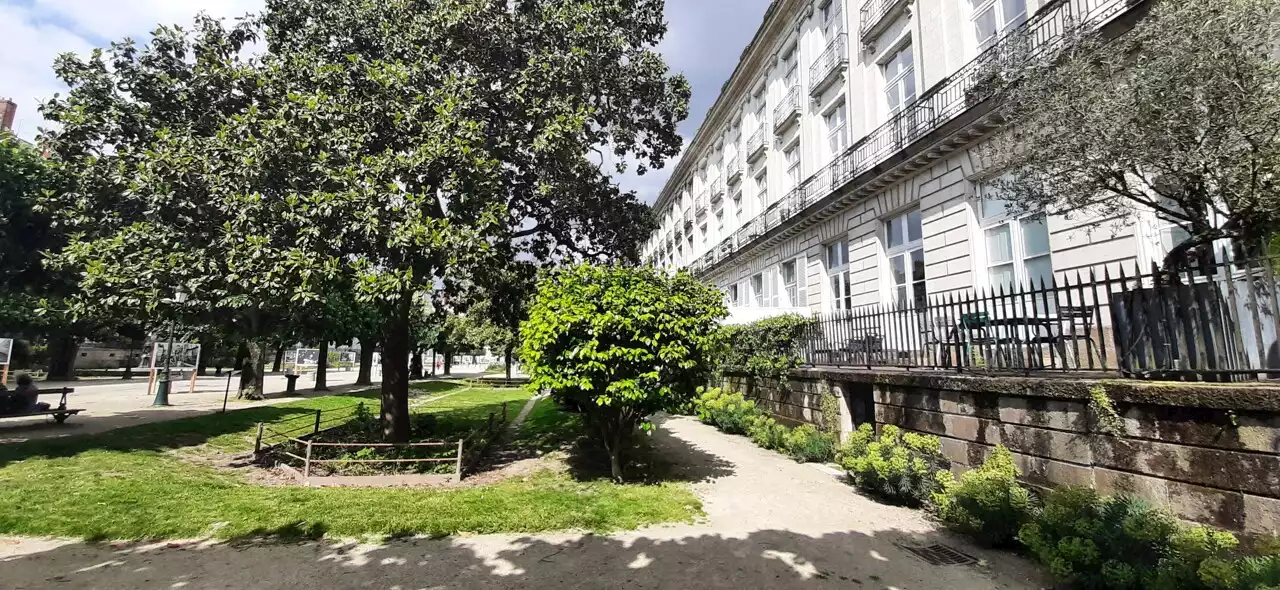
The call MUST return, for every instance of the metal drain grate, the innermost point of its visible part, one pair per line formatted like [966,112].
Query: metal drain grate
[940,555]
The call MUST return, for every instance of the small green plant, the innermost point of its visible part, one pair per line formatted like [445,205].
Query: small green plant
[857,443]
[767,433]
[829,404]
[987,503]
[806,444]
[728,411]
[899,467]
[1090,541]
[1104,409]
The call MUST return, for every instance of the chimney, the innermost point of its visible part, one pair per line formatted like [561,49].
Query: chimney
[8,110]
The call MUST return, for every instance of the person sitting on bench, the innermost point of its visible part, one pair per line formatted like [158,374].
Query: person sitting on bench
[30,394]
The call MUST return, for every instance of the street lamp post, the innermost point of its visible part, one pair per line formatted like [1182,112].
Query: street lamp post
[162,387]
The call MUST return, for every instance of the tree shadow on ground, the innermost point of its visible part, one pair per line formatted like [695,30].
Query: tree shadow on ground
[659,558]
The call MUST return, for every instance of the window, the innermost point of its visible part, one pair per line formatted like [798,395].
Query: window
[702,233]
[900,80]
[837,254]
[791,66]
[993,17]
[734,299]
[792,156]
[719,222]
[837,134]
[757,290]
[904,246]
[1017,245]
[760,106]
[762,191]
[831,20]
[790,284]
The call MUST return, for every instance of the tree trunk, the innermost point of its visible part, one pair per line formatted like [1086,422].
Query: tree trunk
[365,376]
[415,364]
[322,368]
[62,358]
[395,372]
[275,367]
[242,353]
[128,367]
[448,363]
[252,380]
[508,360]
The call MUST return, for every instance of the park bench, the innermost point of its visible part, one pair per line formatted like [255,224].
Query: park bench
[59,412]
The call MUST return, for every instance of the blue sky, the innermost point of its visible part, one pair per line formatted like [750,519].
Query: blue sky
[704,42]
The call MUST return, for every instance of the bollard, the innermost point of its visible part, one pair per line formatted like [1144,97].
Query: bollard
[257,442]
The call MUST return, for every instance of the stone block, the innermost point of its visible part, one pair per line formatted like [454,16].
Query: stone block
[1254,473]
[1261,515]
[1040,442]
[1049,413]
[1248,431]
[1215,507]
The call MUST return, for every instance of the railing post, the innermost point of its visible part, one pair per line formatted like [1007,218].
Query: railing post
[257,440]
[316,430]
[306,463]
[457,473]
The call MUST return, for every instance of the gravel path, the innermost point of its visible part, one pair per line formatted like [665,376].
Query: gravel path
[771,523]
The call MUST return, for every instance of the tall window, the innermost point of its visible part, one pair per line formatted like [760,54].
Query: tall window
[760,106]
[791,67]
[734,297]
[831,20]
[792,156]
[904,246]
[993,17]
[719,222]
[837,132]
[762,191]
[757,290]
[837,258]
[1017,244]
[790,277]
[900,80]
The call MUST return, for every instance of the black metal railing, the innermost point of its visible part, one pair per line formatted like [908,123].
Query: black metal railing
[874,13]
[756,143]
[1216,322]
[828,63]
[1043,35]
[788,108]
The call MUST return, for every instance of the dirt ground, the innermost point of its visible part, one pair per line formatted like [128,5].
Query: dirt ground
[771,523]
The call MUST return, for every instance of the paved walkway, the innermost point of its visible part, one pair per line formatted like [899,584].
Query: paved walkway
[771,523]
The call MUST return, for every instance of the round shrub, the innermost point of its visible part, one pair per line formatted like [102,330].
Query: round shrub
[898,467]
[807,445]
[987,503]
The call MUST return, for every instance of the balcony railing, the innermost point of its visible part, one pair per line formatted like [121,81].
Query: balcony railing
[756,144]
[877,15]
[700,203]
[788,110]
[981,79]
[1201,324]
[733,169]
[717,189]
[826,69]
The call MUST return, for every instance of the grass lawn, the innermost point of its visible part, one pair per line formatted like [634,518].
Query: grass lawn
[132,484]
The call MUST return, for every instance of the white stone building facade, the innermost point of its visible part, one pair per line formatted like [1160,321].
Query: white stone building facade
[841,165]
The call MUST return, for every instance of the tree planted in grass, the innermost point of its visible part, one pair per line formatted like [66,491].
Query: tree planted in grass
[620,344]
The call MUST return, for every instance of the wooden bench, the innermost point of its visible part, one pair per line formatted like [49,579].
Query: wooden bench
[59,413]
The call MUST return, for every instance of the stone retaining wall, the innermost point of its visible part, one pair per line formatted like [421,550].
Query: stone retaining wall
[1210,452]
[799,403]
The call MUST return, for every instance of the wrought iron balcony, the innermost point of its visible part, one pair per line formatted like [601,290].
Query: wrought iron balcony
[980,80]
[877,15]
[717,189]
[756,144]
[700,203]
[788,110]
[733,169]
[826,69]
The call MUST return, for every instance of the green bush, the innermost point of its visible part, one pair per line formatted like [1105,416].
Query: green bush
[767,433]
[987,503]
[728,411]
[807,445]
[1124,543]
[899,467]
[856,445]
[768,348]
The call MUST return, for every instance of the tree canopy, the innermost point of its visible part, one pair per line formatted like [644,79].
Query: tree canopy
[1180,116]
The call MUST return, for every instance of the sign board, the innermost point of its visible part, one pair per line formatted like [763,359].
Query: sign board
[308,357]
[6,350]
[185,355]
[348,357]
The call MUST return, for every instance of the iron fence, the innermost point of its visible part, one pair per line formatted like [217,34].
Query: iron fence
[1215,322]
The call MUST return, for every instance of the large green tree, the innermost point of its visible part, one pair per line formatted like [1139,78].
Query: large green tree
[621,343]
[1180,116]
[436,130]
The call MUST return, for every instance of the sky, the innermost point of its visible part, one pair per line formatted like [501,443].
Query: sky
[704,42]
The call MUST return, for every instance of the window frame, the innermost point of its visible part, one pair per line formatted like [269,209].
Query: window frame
[791,158]
[838,280]
[898,82]
[1014,222]
[758,295]
[840,132]
[1002,21]
[916,288]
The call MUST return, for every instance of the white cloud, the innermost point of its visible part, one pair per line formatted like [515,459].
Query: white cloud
[38,31]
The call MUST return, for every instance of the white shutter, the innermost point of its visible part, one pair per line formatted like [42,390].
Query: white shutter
[802,282]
